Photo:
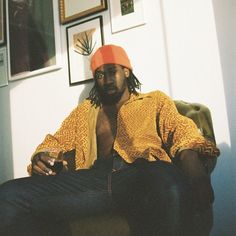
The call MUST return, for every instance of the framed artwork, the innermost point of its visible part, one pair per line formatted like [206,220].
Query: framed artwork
[2,22]
[3,67]
[83,39]
[71,10]
[126,14]
[33,37]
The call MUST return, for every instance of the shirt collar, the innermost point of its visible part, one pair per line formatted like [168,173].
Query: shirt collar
[138,96]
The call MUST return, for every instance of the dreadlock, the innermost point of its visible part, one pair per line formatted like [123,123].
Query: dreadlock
[132,82]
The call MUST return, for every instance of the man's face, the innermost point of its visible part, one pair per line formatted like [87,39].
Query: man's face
[111,82]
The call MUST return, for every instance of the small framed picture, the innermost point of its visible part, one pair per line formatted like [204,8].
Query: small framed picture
[2,21]
[126,14]
[83,39]
[3,67]
[33,35]
[71,10]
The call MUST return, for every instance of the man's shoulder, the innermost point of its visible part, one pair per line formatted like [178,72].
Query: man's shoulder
[156,94]
[83,106]
[85,103]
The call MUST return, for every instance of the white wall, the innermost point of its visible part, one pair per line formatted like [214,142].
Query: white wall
[6,162]
[194,58]
[225,173]
[176,51]
[200,72]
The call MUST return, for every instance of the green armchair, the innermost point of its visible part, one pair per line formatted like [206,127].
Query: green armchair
[116,225]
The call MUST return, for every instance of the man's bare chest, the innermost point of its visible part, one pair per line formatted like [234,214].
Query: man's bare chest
[106,122]
[106,131]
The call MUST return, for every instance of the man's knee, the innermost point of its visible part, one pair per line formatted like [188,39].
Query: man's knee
[172,196]
[168,190]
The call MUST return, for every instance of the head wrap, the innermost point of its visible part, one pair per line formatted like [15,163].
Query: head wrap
[110,54]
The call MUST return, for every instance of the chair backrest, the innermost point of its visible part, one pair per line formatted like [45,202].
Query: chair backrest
[200,114]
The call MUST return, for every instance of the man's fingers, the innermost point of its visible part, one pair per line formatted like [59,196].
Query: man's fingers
[43,164]
[37,170]
[44,167]
[47,159]
[40,168]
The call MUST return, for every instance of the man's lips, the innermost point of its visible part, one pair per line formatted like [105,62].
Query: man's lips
[110,88]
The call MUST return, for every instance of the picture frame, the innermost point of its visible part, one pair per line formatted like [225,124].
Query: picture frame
[33,35]
[2,22]
[71,10]
[83,38]
[3,67]
[126,14]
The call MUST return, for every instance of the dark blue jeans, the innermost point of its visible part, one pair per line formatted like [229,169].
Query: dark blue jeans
[153,195]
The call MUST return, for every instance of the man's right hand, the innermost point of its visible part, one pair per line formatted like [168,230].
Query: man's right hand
[41,164]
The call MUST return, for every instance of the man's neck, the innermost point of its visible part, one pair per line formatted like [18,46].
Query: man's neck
[125,97]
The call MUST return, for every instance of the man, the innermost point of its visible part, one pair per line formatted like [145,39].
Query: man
[125,144]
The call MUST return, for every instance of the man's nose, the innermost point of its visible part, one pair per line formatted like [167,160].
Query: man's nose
[109,77]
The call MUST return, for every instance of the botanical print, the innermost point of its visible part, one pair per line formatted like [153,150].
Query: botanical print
[83,38]
[127,6]
[83,42]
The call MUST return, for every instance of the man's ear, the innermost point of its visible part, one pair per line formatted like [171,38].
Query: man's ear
[127,72]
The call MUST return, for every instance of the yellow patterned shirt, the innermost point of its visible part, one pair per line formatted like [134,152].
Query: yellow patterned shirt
[148,126]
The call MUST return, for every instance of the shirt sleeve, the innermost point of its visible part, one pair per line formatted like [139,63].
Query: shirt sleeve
[64,138]
[62,141]
[179,133]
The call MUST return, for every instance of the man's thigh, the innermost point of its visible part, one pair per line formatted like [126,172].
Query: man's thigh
[67,195]
[49,195]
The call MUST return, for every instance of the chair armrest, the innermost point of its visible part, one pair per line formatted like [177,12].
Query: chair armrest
[201,116]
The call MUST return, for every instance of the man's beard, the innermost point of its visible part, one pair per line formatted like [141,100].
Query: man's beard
[112,98]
